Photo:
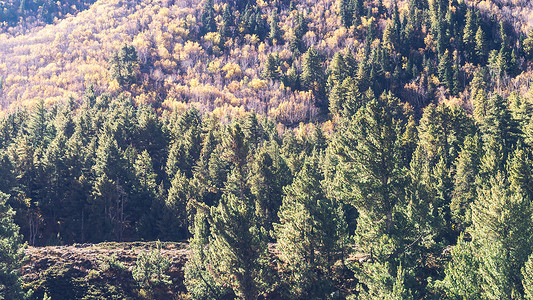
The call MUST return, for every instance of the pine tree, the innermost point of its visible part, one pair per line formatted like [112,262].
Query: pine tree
[146,195]
[350,63]
[456,77]
[390,38]
[271,174]
[358,11]
[292,78]
[307,233]
[336,99]
[469,34]
[352,98]
[124,66]
[502,227]
[372,172]
[337,70]
[445,70]
[200,280]
[527,281]
[296,43]
[238,241]
[520,170]
[270,70]
[499,125]
[479,95]
[481,48]
[465,188]
[11,252]
[314,78]
[275,35]
[38,126]
[227,23]
[527,45]
[462,279]
[110,193]
[208,18]
[346,12]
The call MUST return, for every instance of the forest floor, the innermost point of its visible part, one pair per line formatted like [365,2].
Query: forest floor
[98,271]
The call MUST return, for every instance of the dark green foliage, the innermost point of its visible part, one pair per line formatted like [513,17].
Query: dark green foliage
[150,268]
[208,17]
[314,78]
[307,233]
[271,68]
[124,66]
[276,34]
[10,252]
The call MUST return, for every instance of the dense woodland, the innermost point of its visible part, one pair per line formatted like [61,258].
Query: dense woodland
[383,150]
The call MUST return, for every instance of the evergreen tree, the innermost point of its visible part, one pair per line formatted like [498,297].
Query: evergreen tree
[465,188]
[501,226]
[271,174]
[527,44]
[498,125]
[275,35]
[527,281]
[462,279]
[445,70]
[208,18]
[238,241]
[271,69]
[307,233]
[39,127]
[371,171]
[110,191]
[358,11]
[479,95]
[457,86]
[146,197]
[124,66]
[227,23]
[336,70]
[314,78]
[481,48]
[200,280]
[346,12]
[469,34]
[11,252]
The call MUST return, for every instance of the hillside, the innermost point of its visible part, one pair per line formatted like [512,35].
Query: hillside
[181,63]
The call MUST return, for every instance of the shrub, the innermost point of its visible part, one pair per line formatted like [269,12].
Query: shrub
[150,268]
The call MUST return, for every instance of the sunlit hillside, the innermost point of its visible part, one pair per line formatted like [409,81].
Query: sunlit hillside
[181,63]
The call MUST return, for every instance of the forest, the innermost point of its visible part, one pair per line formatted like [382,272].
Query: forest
[347,149]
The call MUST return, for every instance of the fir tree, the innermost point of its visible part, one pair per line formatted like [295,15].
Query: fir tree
[270,70]
[346,12]
[313,76]
[465,188]
[445,70]
[527,281]
[275,35]
[238,241]
[372,172]
[208,18]
[11,252]
[307,233]
[481,48]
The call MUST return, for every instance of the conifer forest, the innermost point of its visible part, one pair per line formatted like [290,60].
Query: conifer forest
[266,149]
